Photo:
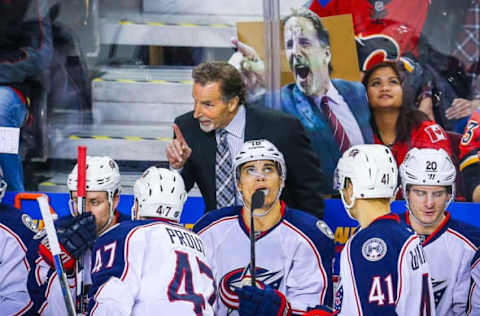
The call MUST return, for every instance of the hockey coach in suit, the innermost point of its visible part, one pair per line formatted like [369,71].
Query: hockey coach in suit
[208,137]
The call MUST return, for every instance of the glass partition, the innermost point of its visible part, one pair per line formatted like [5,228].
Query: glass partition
[121,70]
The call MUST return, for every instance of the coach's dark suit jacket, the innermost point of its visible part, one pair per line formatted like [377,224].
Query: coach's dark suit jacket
[305,180]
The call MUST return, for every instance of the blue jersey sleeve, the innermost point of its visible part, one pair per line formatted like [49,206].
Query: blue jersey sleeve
[108,256]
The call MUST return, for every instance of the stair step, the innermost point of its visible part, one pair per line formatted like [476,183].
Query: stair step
[137,28]
[140,113]
[117,140]
[142,85]
[245,9]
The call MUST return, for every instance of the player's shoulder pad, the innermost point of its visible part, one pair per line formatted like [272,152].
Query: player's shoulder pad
[215,215]
[470,232]
[17,219]
[317,230]
[304,220]
[374,241]
[119,231]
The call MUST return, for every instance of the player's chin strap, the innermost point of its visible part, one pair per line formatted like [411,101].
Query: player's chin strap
[352,202]
[111,198]
[111,211]
[348,206]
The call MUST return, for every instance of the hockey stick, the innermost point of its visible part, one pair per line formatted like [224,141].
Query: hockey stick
[258,198]
[81,195]
[55,249]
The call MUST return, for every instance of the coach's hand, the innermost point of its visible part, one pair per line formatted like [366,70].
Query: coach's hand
[178,150]
[258,302]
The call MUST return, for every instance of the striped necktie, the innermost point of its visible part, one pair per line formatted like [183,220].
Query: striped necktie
[224,173]
[338,132]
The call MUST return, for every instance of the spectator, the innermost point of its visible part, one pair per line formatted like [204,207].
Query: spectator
[395,124]
[467,50]
[334,112]
[25,51]
[382,268]
[294,250]
[217,128]
[425,31]
[470,158]
[428,184]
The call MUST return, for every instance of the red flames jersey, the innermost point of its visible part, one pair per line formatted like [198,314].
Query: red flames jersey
[470,143]
[396,22]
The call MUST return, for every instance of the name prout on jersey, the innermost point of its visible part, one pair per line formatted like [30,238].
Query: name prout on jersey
[185,239]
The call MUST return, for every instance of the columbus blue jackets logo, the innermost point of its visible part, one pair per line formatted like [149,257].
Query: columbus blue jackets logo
[323,227]
[29,223]
[374,249]
[239,277]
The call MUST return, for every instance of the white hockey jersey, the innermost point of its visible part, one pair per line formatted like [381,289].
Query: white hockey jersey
[384,271]
[295,257]
[47,278]
[449,250]
[150,268]
[14,264]
[473,307]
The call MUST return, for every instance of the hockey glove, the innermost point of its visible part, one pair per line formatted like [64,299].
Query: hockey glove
[258,302]
[75,235]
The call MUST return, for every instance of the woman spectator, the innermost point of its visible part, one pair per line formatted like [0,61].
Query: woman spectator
[395,124]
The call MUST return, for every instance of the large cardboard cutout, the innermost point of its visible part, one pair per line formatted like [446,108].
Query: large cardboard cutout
[342,45]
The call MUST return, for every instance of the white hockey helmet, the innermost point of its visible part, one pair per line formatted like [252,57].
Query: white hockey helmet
[372,169]
[3,185]
[260,149]
[159,192]
[428,166]
[102,174]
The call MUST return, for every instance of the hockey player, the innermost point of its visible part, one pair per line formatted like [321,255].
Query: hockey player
[470,158]
[152,266]
[428,184]
[383,270]
[16,235]
[294,249]
[78,232]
